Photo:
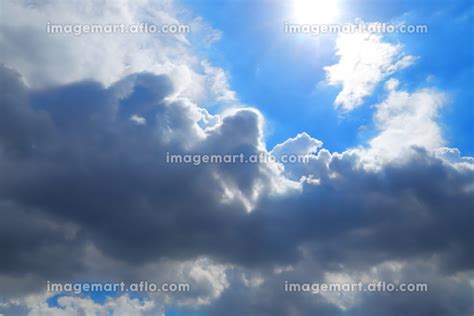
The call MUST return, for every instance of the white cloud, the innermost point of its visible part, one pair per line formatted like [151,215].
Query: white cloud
[405,120]
[46,59]
[74,305]
[217,80]
[364,61]
[138,119]
[302,144]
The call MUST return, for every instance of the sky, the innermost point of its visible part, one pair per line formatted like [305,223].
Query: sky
[383,120]
[255,72]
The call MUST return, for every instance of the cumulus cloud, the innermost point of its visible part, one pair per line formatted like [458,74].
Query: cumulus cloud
[405,120]
[47,59]
[93,182]
[365,59]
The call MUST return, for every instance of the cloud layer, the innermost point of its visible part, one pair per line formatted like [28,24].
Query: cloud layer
[82,177]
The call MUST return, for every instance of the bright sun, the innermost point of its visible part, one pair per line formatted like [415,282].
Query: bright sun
[315,11]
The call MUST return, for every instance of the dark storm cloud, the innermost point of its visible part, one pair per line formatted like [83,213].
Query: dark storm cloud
[100,170]
[446,296]
[76,170]
[416,208]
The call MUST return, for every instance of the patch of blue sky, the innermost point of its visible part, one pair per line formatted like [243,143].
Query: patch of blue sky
[282,74]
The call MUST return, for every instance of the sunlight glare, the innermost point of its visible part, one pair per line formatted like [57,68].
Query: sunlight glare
[315,11]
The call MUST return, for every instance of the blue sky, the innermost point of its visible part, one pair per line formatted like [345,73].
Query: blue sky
[279,73]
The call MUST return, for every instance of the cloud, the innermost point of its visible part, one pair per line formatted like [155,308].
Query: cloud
[78,176]
[218,83]
[46,59]
[69,306]
[74,145]
[405,120]
[364,61]
[302,145]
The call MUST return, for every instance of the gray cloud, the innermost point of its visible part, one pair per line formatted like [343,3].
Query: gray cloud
[78,174]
